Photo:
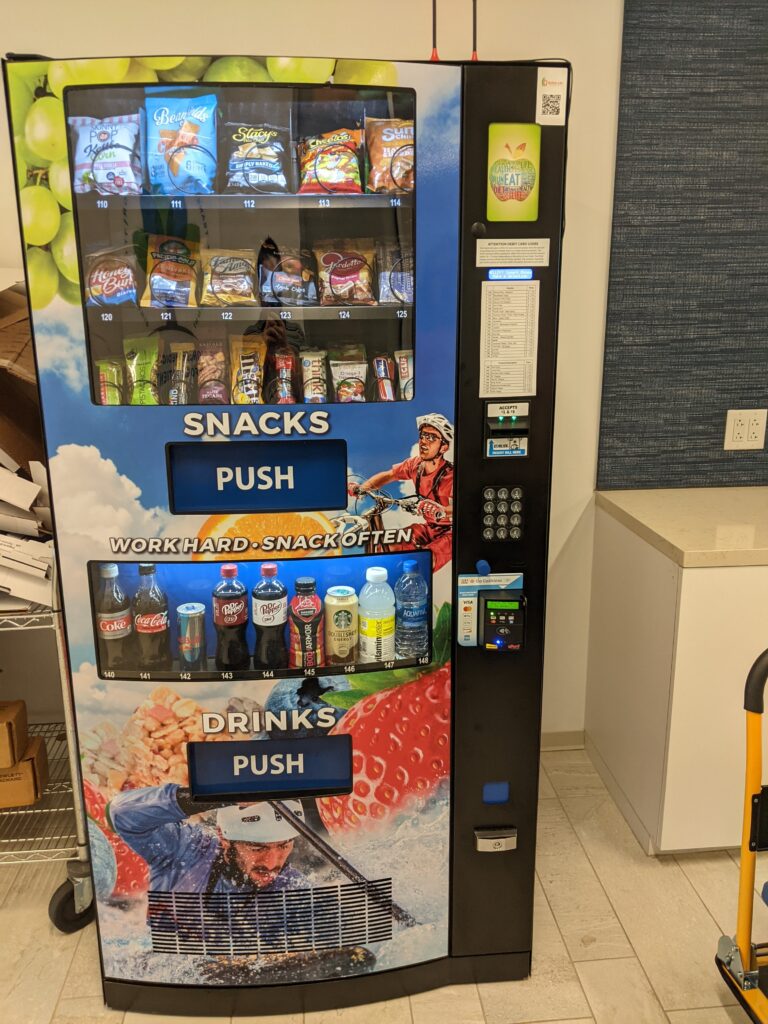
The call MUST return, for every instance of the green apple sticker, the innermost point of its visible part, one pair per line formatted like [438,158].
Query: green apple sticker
[514,171]
[513,178]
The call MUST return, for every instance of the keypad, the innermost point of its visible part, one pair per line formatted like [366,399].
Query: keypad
[502,513]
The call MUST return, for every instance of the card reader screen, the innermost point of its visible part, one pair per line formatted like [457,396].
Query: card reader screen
[502,605]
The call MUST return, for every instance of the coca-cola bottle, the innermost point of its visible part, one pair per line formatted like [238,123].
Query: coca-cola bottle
[151,622]
[270,615]
[114,622]
[230,619]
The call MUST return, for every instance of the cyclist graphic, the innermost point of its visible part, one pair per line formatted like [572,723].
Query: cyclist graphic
[431,474]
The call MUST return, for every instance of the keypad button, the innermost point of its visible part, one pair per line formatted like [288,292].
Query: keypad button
[517,493]
[516,506]
[489,507]
[504,520]
[515,520]
[502,506]
[489,494]
[488,533]
[488,520]
[515,533]
[503,493]
[501,533]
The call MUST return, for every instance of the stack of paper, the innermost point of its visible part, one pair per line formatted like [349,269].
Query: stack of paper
[26,550]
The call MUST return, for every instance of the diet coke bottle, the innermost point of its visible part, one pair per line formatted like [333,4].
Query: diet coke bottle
[150,620]
[114,622]
[230,619]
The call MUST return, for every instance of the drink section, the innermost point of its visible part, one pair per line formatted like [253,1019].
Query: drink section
[307,709]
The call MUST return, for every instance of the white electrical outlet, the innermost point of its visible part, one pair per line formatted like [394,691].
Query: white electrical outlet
[745,429]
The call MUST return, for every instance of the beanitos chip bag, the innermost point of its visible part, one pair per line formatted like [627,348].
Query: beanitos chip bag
[181,144]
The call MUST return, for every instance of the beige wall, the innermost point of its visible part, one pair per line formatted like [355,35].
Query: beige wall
[587,33]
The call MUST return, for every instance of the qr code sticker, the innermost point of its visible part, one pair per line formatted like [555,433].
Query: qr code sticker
[550,104]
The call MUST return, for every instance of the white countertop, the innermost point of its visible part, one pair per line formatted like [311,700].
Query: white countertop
[697,526]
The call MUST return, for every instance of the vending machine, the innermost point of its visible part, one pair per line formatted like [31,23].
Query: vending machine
[295,326]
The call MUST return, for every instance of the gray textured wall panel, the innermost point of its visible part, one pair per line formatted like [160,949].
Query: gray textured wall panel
[687,324]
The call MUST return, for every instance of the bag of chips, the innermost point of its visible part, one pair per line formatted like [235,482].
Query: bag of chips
[389,142]
[107,154]
[212,376]
[395,273]
[345,270]
[259,157]
[247,356]
[349,372]
[110,278]
[181,144]
[172,269]
[331,162]
[229,277]
[286,276]
[141,356]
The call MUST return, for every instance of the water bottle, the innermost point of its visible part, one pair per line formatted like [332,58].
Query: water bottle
[411,610]
[376,617]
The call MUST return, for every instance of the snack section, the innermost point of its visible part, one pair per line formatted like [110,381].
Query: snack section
[187,621]
[245,244]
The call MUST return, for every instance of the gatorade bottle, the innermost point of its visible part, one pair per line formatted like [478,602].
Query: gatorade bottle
[270,614]
[411,603]
[377,617]
[230,620]
[306,626]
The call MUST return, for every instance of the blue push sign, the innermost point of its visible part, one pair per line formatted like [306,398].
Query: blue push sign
[270,769]
[256,476]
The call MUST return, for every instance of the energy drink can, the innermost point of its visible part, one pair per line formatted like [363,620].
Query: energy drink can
[192,649]
[340,625]
[306,626]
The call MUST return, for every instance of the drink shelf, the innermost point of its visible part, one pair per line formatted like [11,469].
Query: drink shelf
[137,317]
[91,201]
[255,675]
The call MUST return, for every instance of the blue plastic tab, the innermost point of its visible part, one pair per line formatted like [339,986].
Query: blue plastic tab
[495,792]
[270,769]
[483,568]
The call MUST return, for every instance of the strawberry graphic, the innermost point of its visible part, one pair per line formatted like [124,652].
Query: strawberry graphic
[132,871]
[401,750]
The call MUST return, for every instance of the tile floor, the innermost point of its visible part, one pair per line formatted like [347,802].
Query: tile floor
[618,936]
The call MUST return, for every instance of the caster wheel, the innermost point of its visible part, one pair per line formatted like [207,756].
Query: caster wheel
[61,910]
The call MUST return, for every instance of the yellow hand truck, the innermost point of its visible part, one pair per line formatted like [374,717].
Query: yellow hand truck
[743,963]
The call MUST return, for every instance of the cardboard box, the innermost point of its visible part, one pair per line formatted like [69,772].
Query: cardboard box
[24,783]
[13,731]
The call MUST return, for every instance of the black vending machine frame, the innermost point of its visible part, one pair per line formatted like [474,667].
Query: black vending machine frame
[497,696]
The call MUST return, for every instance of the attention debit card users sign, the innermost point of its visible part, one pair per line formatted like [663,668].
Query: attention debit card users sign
[270,769]
[256,476]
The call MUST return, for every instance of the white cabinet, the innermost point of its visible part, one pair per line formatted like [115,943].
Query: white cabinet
[671,641]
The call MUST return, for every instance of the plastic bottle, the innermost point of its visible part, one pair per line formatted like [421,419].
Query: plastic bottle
[114,622]
[269,606]
[306,626]
[377,617]
[411,612]
[150,620]
[230,619]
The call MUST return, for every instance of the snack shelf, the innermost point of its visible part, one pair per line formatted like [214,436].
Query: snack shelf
[44,831]
[261,674]
[155,319]
[96,202]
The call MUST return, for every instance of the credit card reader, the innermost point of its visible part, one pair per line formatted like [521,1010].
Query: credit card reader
[502,620]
